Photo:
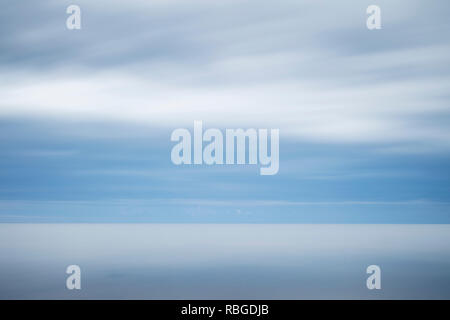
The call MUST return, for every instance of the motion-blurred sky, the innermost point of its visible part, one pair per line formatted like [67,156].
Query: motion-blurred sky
[86,115]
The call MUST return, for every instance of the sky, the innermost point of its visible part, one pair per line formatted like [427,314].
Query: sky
[86,115]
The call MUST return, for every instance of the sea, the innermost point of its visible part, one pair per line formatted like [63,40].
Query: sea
[224,261]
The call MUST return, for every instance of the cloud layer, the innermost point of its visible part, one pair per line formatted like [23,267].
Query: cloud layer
[86,115]
[310,69]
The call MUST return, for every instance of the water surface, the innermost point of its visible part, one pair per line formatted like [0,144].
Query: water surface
[206,261]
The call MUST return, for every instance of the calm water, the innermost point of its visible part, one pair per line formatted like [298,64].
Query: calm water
[151,261]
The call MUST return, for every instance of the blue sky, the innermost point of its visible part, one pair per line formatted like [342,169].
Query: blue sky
[86,115]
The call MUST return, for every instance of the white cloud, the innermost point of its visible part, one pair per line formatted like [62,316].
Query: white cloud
[384,112]
[315,72]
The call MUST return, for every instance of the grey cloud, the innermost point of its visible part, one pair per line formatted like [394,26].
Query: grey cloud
[311,68]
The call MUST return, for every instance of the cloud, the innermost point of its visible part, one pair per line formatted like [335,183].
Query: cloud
[236,64]
[378,113]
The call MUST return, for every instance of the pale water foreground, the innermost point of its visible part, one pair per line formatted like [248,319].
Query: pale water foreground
[167,261]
